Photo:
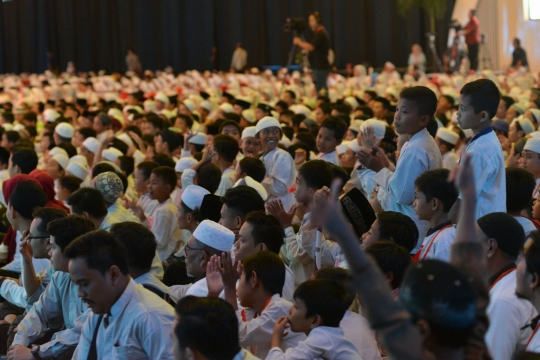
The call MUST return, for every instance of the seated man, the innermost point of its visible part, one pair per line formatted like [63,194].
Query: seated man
[127,321]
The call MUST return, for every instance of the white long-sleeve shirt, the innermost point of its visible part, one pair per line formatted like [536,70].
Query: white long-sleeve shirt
[357,330]
[58,305]
[438,242]
[117,213]
[151,280]
[323,342]
[15,293]
[449,160]
[165,228]
[227,181]
[139,327]
[255,330]
[330,157]
[280,176]
[16,264]
[298,259]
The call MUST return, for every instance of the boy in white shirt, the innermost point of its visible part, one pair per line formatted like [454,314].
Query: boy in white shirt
[434,197]
[446,141]
[531,161]
[519,185]
[224,151]
[330,135]
[319,307]
[143,207]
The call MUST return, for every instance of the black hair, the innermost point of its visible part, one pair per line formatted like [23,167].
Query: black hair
[4,156]
[26,197]
[88,200]
[307,139]
[449,99]
[209,326]
[366,110]
[104,118]
[167,176]
[292,93]
[146,167]
[47,214]
[230,123]
[140,253]
[398,228]
[8,117]
[284,105]
[270,270]
[101,251]
[434,184]
[51,140]
[316,174]
[390,257]
[325,108]
[266,230]
[343,108]
[173,139]
[69,148]
[70,182]
[483,95]
[156,121]
[292,149]
[508,101]
[164,160]
[25,159]
[519,186]
[87,132]
[127,164]
[12,136]
[297,119]
[339,275]
[385,103]
[337,126]
[30,116]
[68,228]
[424,99]
[288,131]
[102,167]
[242,200]
[226,146]
[326,298]
[187,119]
[253,168]
[209,177]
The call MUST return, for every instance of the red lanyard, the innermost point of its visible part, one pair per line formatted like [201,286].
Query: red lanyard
[501,276]
[418,254]
[532,335]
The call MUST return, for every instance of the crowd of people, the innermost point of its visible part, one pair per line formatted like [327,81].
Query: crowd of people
[248,216]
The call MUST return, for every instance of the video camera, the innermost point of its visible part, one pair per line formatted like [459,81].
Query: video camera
[295,24]
[454,24]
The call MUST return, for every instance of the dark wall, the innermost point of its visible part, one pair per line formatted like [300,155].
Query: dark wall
[96,33]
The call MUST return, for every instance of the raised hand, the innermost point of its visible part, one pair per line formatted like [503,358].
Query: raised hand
[230,272]
[374,160]
[275,207]
[369,138]
[213,277]
[300,156]
[25,248]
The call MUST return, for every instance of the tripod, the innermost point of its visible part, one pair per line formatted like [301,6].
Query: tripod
[486,55]
[436,58]
[292,54]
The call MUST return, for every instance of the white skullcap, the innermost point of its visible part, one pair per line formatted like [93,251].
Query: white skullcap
[62,160]
[56,150]
[448,135]
[535,134]
[18,127]
[342,148]
[125,138]
[149,105]
[116,113]
[355,125]
[250,131]
[193,196]
[65,130]
[50,115]
[78,169]
[110,186]
[301,109]
[214,235]
[111,154]
[249,115]
[184,163]
[526,124]
[266,122]
[160,96]
[351,101]
[249,181]
[377,125]
[79,158]
[92,144]
[206,105]
[139,157]
[533,145]
[226,107]
[520,108]
[353,145]
[536,114]
[198,139]
[190,105]
[137,108]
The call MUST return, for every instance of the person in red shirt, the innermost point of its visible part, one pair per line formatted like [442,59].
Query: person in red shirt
[471,31]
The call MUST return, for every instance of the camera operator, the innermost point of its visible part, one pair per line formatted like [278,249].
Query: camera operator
[471,31]
[318,51]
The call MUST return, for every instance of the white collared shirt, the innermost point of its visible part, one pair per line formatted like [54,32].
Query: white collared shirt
[449,160]
[528,225]
[15,293]
[298,259]
[139,327]
[151,280]
[280,176]
[165,228]
[357,330]
[330,157]
[438,245]
[117,213]
[227,181]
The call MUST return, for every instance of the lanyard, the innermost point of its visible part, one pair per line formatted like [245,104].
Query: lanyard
[501,276]
[532,335]
[418,254]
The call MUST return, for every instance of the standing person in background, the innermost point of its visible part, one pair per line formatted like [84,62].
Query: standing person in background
[519,56]
[133,63]
[239,59]
[471,31]
[417,58]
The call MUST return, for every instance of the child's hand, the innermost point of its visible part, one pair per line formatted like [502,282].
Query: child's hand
[368,138]
[213,277]
[462,175]
[300,156]
[327,204]
[279,331]
[374,160]
[207,155]
[230,273]
[275,207]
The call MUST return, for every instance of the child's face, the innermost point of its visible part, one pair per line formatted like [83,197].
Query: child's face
[231,130]
[348,158]
[251,146]
[159,145]
[244,291]
[302,192]
[182,218]
[157,190]
[466,116]
[180,123]
[141,184]
[350,136]
[326,141]
[245,245]
[407,120]
[77,139]
[62,194]
[44,143]
[514,134]
[511,114]
[371,235]
[422,207]
[442,147]
[297,317]
[531,162]
[269,138]
[53,169]
[4,143]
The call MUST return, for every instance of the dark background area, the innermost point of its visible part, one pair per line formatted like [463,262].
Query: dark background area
[95,34]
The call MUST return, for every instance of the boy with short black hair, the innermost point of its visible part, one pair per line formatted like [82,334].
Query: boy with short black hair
[67,185]
[319,307]
[252,167]
[22,161]
[9,139]
[478,103]
[4,164]
[144,206]
[434,197]
[330,135]
[224,151]
[168,142]
[519,185]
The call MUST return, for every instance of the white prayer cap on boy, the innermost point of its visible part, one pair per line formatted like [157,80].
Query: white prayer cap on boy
[354,146]
[111,154]
[250,131]
[65,130]
[536,114]
[149,105]
[342,148]
[526,124]
[378,126]
[519,107]
[266,122]
[92,144]
[252,183]
[50,115]
[117,114]
[189,104]
[160,96]
[533,145]
[352,102]
[355,125]
[57,150]
[226,108]
[193,196]
[79,158]
[198,139]
[249,115]
[206,105]
[535,134]
[448,135]
[184,163]
[125,138]
[62,160]
[78,169]
[214,235]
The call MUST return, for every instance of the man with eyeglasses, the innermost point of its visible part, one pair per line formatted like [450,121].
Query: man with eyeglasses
[210,238]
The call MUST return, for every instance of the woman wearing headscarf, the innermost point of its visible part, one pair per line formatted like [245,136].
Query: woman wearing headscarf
[47,183]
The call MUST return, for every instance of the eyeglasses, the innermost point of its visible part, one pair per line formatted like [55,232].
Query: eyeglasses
[187,249]
[37,237]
